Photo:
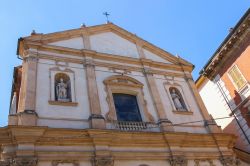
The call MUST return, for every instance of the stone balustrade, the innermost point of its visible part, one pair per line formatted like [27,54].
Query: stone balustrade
[133,126]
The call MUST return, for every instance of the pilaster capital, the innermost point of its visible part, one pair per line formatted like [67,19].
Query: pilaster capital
[229,161]
[5,163]
[147,71]
[24,161]
[30,58]
[103,161]
[89,62]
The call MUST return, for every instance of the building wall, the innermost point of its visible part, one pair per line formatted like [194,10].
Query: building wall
[215,103]
[215,100]
[77,116]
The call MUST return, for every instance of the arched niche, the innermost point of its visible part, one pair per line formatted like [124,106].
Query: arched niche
[177,99]
[186,108]
[62,87]
[64,78]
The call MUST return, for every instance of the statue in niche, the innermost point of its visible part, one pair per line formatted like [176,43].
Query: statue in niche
[177,99]
[61,91]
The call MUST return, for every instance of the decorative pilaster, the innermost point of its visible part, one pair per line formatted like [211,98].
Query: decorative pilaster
[178,161]
[212,125]
[164,123]
[104,161]
[27,98]
[96,119]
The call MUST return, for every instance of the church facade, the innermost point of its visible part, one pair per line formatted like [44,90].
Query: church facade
[102,96]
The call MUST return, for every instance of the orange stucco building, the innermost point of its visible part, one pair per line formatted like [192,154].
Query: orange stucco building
[224,84]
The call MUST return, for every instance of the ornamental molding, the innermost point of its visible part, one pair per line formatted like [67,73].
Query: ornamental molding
[45,39]
[24,162]
[178,161]
[57,162]
[229,161]
[104,161]
[199,162]
[126,85]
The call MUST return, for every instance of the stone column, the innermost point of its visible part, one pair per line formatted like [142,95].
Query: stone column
[164,123]
[96,119]
[27,99]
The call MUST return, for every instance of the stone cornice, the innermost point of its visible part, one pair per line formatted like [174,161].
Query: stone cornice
[47,38]
[52,136]
[104,56]
[110,60]
[240,32]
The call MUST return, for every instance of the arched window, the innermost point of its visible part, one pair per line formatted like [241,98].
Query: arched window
[177,99]
[62,87]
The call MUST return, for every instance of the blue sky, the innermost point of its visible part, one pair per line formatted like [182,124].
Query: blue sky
[192,29]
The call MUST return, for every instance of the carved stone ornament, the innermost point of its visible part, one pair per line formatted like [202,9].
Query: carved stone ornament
[4,163]
[107,161]
[24,162]
[198,162]
[57,162]
[178,161]
[229,161]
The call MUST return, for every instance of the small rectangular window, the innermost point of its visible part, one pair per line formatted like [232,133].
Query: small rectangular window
[236,77]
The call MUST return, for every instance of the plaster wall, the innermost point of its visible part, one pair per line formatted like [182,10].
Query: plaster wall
[111,43]
[154,57]
[76,43]
[66,115]
[215,103]
[163,87]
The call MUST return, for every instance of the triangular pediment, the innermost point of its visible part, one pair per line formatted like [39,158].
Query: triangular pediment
[112,43]
[76,43]
[108,39]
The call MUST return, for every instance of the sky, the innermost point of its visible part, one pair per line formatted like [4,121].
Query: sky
[192,29]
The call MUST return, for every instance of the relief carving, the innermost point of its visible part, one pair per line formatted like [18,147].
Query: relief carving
[178,161]
[24,162]
[199,161]
[107,161]
[229,161]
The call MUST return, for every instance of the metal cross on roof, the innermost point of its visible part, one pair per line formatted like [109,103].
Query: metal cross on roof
[107,16]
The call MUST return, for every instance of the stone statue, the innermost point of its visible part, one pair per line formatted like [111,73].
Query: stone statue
[177,100]
[61,91]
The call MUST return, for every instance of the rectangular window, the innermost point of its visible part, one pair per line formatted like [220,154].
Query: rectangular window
[236,77]
[126,107]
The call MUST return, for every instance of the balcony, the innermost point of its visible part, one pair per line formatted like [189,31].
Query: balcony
[133,126]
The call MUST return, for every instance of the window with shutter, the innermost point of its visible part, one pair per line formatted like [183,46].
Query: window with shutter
[236,77]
